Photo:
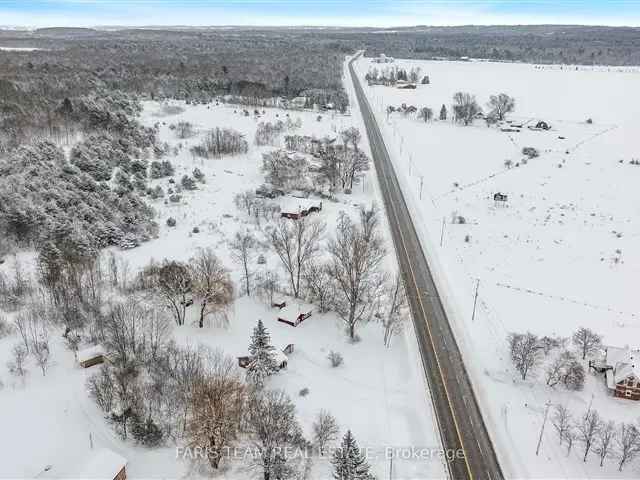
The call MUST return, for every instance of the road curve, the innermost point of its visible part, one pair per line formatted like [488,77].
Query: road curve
[460,422]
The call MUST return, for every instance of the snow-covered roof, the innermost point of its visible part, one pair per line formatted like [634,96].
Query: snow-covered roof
[89,353]
[102,464]
[625,362]
[296,205]
[279,356]
[292,310]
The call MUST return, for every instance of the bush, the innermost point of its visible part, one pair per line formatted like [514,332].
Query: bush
[304,392]
[196,230]
[188,183]
[530,152]
[335,358]
[171,222]
[198,175]
[5,327]
[175,198]
[161,169]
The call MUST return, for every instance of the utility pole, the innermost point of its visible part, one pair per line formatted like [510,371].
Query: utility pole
[475,300]
[590,404]
[442,232]
[544,422]
[421,183]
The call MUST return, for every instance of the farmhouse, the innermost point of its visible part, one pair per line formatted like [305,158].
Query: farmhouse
[104,464]
[91,356]
[621,367]
[382,58]
[296,208]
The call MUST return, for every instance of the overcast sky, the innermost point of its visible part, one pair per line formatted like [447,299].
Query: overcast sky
[384,13]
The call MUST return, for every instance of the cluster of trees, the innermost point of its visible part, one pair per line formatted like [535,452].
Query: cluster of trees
[348,279]
[392,75]
[46,200]
[219,142]
[466,107]
[178,285]
[527,352]
[267,133]
[338,165]
[189,65]
[584,45]
[607,439]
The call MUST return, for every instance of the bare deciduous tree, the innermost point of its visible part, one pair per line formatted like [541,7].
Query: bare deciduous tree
[604,440]
[18,358]
[561,421]
[296,242]
[356,254]
[465,107]
[319,285]
[587,429]
[172,282]
[242,250]
[587,341]
[525,352]
[395,302]
[273,427]
[211,284]
[325,430]
[628,443]
[216,408]
[500,105]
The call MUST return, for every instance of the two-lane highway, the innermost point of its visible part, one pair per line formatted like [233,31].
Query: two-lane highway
[460,422]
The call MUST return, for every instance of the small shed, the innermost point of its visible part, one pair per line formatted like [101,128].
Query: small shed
[280,357]
[296,208]
[500,197]
[91,356]
[293,315]
[104,464]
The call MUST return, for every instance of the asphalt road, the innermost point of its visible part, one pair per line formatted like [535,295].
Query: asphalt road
[462,429]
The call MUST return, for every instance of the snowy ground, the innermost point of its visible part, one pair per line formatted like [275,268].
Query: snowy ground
[562,254]
[379,393]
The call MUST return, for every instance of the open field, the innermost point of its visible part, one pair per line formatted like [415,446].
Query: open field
[562,253]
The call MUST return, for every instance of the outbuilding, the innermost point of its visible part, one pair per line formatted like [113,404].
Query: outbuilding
[103,464]
[91,356]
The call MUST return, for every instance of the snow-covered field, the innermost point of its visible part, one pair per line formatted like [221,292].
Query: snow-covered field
[379,393]
[563,253]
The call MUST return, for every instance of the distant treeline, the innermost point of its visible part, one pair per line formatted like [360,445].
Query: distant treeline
[194,65]
[579,45]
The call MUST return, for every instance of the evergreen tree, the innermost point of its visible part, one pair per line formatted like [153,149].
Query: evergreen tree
[348,462]
[262,362]
[443,113]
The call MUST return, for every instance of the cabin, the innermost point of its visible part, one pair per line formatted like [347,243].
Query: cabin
[280,356]
[91,356]
[295,208]
[293,315]
[621,368]
[500,197]
[104,464]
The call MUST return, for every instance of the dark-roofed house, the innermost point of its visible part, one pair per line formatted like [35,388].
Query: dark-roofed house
[622,372]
